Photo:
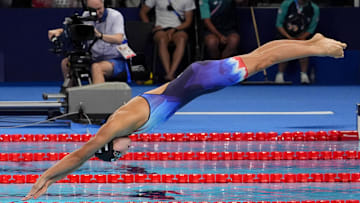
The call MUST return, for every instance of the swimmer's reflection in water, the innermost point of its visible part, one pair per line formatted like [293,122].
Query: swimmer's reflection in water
[134,169]
[155,194]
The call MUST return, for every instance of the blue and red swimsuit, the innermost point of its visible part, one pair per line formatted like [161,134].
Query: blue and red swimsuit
[198,79]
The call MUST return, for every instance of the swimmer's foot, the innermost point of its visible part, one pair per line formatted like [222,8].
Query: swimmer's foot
[329,47]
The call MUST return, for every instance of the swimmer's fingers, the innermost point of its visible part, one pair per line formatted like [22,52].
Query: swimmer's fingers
[34,190]
[37,190]
[30,195]
[41,191]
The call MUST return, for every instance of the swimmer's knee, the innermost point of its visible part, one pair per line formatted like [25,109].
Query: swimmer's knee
[266,62]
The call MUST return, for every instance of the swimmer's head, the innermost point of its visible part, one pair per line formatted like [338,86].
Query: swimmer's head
[113,150]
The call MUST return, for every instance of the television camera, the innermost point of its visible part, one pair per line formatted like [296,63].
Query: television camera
[75,43]
[93,102]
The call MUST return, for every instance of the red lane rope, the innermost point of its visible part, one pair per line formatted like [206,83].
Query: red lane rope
[191,178]
[331,135]
[292,201]
[188,156]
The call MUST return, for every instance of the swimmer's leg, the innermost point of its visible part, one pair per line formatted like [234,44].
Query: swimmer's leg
[284,50]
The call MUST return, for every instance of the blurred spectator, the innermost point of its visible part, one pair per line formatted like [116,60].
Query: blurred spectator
[132,3]
[67,3]
[297,20]
[172,18]
[341,3]
[42,3]
[5,3]
[220,28]
[21,4]
[246,2]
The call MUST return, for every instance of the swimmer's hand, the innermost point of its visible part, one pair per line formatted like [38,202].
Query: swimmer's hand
[38,189]
[67,165]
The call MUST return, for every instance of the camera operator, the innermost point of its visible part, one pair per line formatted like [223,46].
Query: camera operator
[109,30]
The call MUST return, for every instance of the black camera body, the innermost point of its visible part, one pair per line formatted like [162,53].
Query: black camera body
[76,35]
[75,43]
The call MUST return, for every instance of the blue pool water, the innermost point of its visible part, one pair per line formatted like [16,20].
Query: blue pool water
[187,192]
[341,100]
[68,192]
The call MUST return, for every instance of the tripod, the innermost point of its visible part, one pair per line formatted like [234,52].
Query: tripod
[79,65]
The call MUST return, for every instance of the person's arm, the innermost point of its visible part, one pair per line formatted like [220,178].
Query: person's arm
[184,25]
[144,16]
[213,29]
[314,21]
[281,18]
[284,33]
[55,33]
[143,13]
[303,36]
[65,166]
[122,123]
[115,31]
[188,21]
[113,39]
[206,17]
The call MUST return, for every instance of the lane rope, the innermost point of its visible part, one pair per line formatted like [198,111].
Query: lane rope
[332,135]
[196,156]
[191,178]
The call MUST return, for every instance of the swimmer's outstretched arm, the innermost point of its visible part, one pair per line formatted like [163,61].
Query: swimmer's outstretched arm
[123,122]
[65,166]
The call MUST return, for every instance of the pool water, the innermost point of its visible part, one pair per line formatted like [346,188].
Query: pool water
[197,192]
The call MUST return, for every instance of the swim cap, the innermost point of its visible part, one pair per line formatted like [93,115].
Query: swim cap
[107,153]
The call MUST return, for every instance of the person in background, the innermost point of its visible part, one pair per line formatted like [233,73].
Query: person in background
[21,4]
[220,28]
[172,18]
[297,20]
[109,29]
[41,3]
